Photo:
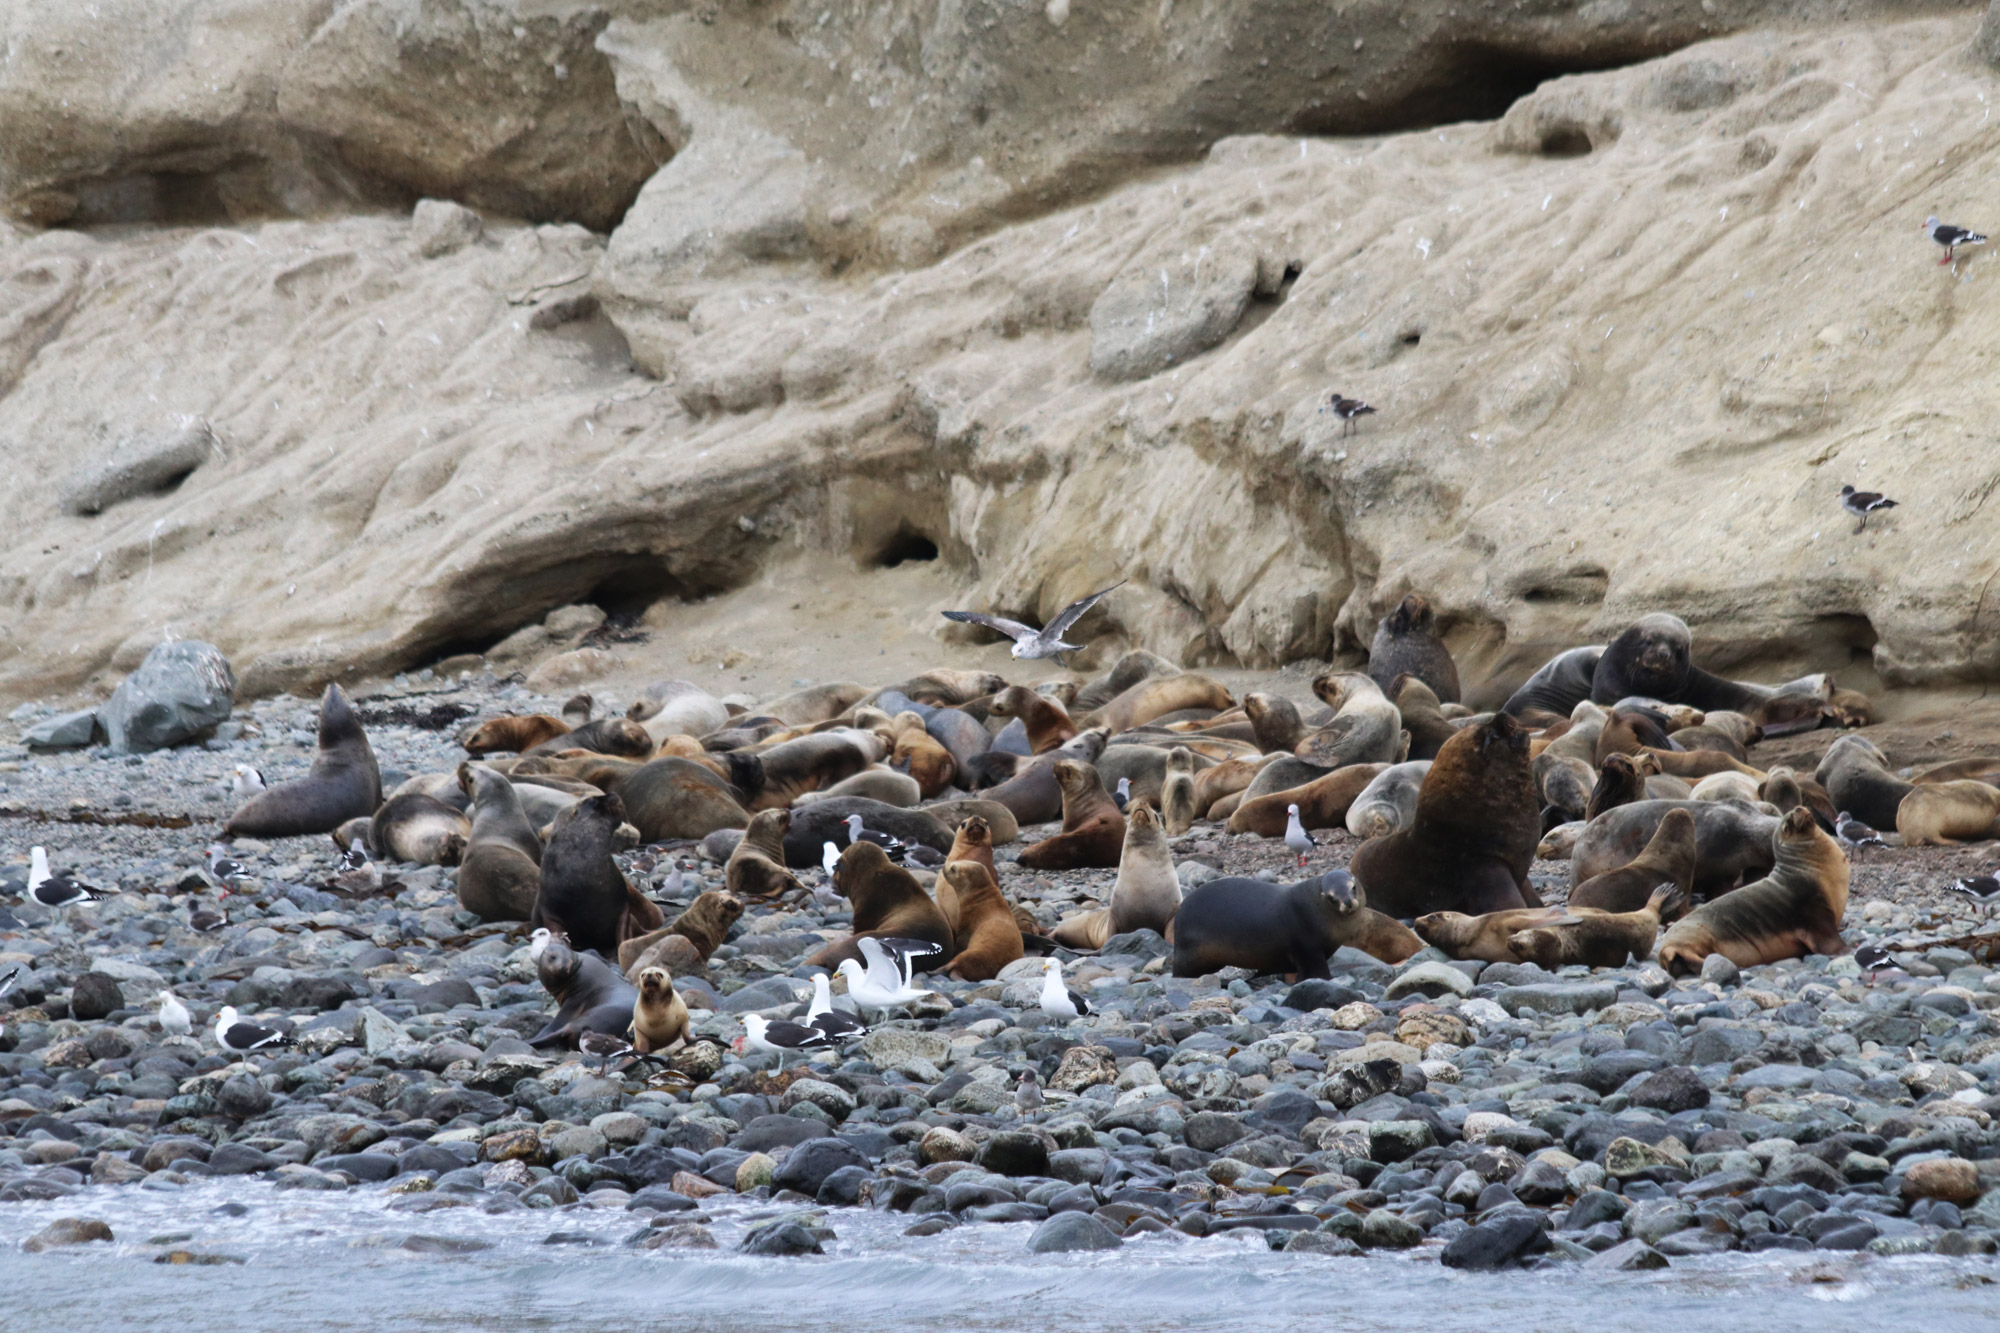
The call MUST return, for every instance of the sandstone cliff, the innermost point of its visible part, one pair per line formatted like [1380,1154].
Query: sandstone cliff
[1054,291]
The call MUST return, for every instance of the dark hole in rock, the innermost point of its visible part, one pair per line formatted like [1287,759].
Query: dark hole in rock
[1565,141]
[906,546]
[1412,339]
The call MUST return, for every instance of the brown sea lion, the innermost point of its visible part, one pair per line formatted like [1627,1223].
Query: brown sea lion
[1732,842]
[1001,826]
[1407,643]
[986,925]
[756,869]
[1781,788]
[1423,717]
[1127,671]
[1047,722]
[1477,824]
[342,784]
[945,688]
[1940,814]
[616,736]
[1323,802]
[1600,939]
[422,829]
[1152,698]
[1274,722]
[1365,727]
[1668,858]
[1694,765]
[972,842]
[1146,895]
[1488,938]
[1178,808]
[1033,793]
[1628,732]
[1961,770]
[1856,776]
[815,703]
[1290,929]
[1710,739]
[877,783]
[1563,783]
[1224,779]
[1389,802]
[918,754]
[889,903]
[1795,910]
[659,1016]
[518,734]
[704,925]
[669,799]
[1093,830]
[1618,783]
[1848,708]
[584,896]
[590,996]
[499,873]
[1726,787]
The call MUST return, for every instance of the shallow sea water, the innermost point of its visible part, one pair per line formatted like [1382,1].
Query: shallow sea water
[336,1262]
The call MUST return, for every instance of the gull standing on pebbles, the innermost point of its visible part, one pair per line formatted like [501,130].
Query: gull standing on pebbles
[58,890]
[1855,834]
[761,1034]
[247,782]
[822,1015]
[891,845]
[1980,888]
[1031,643]
[1028,1096]
[891,965]
[175,1020]
[1058,1001]
[234,1035]
[1296,836]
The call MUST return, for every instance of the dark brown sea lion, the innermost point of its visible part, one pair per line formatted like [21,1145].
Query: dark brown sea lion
[1290,929]
[669,799]
[515,733]
[702,927]
[584,896]
[590,996]
[1618,783]
[616,736]
[1423,716]
[1406,642]
[1795,910]
[342,784]
[1274,722]
[888,904]
[756,869]
[1477,824]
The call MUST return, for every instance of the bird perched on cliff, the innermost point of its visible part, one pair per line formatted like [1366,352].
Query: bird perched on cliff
[1950,238]
[1863,503]
[1349,410]
[51,890]
[1853,833]
[1296,836]
[1031,643]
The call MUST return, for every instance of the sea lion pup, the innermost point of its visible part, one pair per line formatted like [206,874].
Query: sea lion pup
[342,784]
[499,873]
[1795,910]
[1694,765]
[1323,802]
[1422,716]
[1153,698]
[1781,787]
[511,732]
[590,995]
[1274,721]
[1939,814]
[1406,642]
[677,708]
[669,799]
[1732,842]
[702,928]
[1178,807]
[917,753]
[659,1016]
[617,736]
[1559,842]
[1365,727]
[1474,836]
[1033,793]
[1093,830]
[584,895]
[889,903]
[1146,896]
[1857,778]
[1618,783]
[1047,722]
[990,936]
[418,828]
[1291,928]
[1127,671]
[1727,787]
[973,841]
[879,783]
[1599,939]
[756,869]
[1389,802]
[1669,857]
[1487,938]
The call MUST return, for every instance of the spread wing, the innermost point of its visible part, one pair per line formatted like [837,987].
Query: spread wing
[1013,629]
[904,954]
[1072,613]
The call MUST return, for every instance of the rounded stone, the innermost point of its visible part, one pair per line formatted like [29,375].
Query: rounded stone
[1072,1231]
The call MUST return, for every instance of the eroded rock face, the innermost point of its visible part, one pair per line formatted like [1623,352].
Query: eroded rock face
[1602,390]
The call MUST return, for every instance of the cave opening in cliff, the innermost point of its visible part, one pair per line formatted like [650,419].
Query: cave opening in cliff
[1475,81]
[904,546]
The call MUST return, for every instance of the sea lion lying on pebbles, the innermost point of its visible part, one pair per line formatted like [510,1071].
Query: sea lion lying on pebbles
[1795,910]
[1290,928]
[1323,802]
[1598,939]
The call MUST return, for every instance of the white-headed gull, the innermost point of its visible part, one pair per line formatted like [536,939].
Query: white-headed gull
[538,943]
[175,1020]
[829,855]
[891,963]
[822,1015]
[761,1034]
[1296,836]
[891,845]
[247,782]
[1950,238]
[52,890]
[1853,833]
[1123,796]
[1863,503]
[1031,643]
[234,1035]
[1058,1001]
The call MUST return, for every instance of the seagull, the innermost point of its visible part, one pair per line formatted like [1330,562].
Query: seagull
[1031,643]
[886,984]
[539,942]
[761,1034]
[1863,503]
[1123,796]
[1028,1096]
[175,1020]
[1853,833]
[357,874]
[1296,836]
[233,1034]
[889,843]
[1985,888]
[829,855]
[58,890]
[924,858]
[822,1015]
[8,978]
[1058,1001]
[224,867]
[247,782]
[204,921]
[608,1048]
[1349,410]
[673,885]
[1950,238]
[1871,957]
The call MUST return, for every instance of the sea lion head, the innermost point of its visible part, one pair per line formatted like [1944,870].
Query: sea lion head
[1180,760]
[969,878]
[1071,776]
[1412,613]
[1140,819]
[1340,895]
[1409,691]
[656,984]
[1654,654]
[1618,765]
[976,832]
[858,864]
[1798,826]
[1010,702]
[1645,764]
[1501,733]
[1446,930]
[578,707]
[557,967]
[1336,688]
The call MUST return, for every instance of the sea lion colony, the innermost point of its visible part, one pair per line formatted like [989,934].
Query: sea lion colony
[1435,1035]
